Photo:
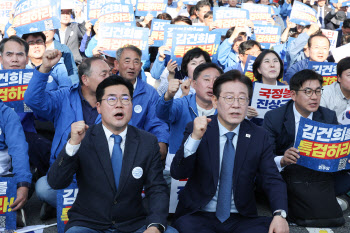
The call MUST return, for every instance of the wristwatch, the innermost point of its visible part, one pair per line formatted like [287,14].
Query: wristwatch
[160,227]
[281,213]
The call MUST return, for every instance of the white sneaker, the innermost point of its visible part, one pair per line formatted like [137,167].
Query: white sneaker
[343,203]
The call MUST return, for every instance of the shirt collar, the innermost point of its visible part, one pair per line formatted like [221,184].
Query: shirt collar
[135,84]
[108,133]
[337,86]
[223,130]
[297,115]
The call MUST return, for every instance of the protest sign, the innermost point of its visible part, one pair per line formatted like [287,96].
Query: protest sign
[191,2]
[341,52]
[94,7]
[258,13]
[65,200]
[186,40]
[332,35]
[157,31]
[248,68]
[113,36]
[8,194]
[267,97]
[227,17]
[116,13]
[347,3]
[153,7]
[323,147]
[176,187]
[267,35]
[36,16]
[13,84]
[168,31]
[328,70]
[5,8]
[302,14]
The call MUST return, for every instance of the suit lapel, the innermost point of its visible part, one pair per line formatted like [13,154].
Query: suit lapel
[101,145]
[67,35]
[131,145]
[213,140]
[289,122]
[242,148]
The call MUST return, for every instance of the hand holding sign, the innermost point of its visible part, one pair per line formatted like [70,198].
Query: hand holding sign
[199,127]
[171,68]
[161,52]
[290,156]
[50,58]
[22,196]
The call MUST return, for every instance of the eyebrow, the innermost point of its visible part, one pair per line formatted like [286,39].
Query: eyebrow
[19,53]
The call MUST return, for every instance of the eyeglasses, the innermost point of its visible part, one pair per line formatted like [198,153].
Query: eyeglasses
[113,100]
[309,92]
[38,42]
[242,100]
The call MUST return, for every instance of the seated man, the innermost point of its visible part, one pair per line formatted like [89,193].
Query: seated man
[14,154]
[113,162]
[337,95]
[221,157]
[318,50]
[282,124]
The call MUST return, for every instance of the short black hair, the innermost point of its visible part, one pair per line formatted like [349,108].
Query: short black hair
[200,68]
[317,35]
[35,34]
[230,31]
[259,60]
[346,23]
[232,75]
[201,4]
[298,79]
[343,64]
[246,45]
[189,55]
[112,81]
[181,18]
[16,39]
[85,67]
[164,16]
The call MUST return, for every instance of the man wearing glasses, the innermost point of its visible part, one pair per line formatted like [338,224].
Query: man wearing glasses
[113,161]
[221,155]
[282,124]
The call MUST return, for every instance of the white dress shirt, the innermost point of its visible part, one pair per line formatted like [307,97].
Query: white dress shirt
[191,146]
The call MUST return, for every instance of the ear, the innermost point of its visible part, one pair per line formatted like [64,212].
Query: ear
[339,78]
[116,65]
[2,60]
[193,84]
[293,95]
[307,54]
[214,101]
[240,56]
[259,71]
[84,79]
[98,106]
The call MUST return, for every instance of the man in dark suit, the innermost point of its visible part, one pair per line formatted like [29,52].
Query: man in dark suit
[113,161]
[322,9]
[282,124]
[219,194]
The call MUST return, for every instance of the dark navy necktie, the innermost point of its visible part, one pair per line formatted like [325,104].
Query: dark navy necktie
[117,158]
[225,188]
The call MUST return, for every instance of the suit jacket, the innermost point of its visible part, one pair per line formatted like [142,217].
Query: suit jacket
[326,9]
[99,204]
[280,123]
[74,35]
[253,155]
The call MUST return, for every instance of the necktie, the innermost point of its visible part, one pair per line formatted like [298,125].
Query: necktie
[117,158]
[225,189]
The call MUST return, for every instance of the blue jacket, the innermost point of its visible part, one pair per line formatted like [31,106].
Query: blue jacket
[58,78]
[68,61]
[144,114]
[177,113]
[91,45]
[238,66]
[227,57]
[301,65]
[12,138]
[295,49]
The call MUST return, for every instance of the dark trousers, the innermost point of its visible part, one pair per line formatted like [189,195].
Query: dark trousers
[205,222]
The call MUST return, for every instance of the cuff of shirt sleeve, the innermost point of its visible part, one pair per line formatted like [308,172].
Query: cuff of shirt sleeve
[23,184]
[278,163]
[191,146]
[71,149]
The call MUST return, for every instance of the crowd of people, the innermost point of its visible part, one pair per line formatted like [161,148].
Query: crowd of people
[121,125]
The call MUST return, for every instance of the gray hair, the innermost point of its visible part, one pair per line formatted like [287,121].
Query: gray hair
[131,47]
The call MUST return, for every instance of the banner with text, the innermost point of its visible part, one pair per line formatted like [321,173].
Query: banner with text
[184,41]
[113,36]
[8,194]
[36,16]
[65,200]
[258,13]
[267,97]
[227,17]
[332,35]
[267,35]
[248,68]
[327,69]
[323,147]
[302,14]
[5,8]
[94,7]
[153,7]
[13,84]
[176,187]
[116,13]
[157,31]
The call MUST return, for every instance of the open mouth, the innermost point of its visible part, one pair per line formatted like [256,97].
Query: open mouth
[119,116]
